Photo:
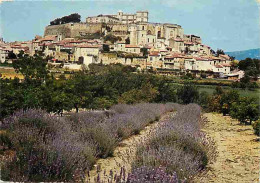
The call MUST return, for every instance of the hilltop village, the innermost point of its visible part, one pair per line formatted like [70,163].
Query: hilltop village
[128,39]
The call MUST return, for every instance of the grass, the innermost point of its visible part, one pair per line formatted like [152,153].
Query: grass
[243,92]
[10,73]
[211,88]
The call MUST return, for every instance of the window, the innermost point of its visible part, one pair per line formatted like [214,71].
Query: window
[159,34]
[148,40]
[143,26]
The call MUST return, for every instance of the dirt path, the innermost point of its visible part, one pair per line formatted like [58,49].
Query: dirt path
[238,152]
[124,155]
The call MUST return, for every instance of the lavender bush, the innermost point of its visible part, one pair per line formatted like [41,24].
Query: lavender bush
[45,148]
[150,174]
[49,148]
[178,145]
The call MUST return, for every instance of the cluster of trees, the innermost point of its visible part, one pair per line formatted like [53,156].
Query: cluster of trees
[103,86]
[73,18]
[112,38]
[251,67]
[245,109]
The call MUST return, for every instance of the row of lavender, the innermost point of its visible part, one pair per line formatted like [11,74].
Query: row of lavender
[176,151]
[48,148]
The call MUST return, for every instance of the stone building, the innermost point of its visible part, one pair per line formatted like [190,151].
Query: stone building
[120,17]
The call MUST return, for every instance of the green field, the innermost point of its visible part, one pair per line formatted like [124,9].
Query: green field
[243,92]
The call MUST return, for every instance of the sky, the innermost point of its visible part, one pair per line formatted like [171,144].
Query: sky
[231,25]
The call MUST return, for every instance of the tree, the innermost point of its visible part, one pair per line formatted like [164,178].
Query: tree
[220,52]
[147,93]
[127,40]
[73,18]
[246,109]
[188,93]
[256,126]
[203,100]
[186,51]
[227,98]
[32,68]
[112,38]
[144,51]
[11,55]
[106,48]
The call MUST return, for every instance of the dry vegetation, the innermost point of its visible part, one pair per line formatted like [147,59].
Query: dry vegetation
[10,73]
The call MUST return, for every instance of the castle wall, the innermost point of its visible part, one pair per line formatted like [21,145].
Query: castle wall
[72,29]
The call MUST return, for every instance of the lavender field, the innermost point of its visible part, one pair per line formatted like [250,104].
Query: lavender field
[177,149]
[48,148]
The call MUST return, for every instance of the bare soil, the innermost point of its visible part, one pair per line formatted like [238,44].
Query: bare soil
[238,154]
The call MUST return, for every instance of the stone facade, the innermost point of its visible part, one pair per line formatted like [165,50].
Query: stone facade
[120,17]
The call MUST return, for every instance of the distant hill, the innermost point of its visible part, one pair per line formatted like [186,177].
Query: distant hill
[241,55]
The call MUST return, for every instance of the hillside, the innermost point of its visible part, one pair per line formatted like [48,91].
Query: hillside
[241,55]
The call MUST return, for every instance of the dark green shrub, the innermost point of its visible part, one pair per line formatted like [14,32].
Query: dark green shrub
[256,126]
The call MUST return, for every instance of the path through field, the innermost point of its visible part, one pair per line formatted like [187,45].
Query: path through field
[238,152]
[124,154]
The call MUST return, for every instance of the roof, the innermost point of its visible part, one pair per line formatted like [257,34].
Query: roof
[88,46]
[46,44]
[215,58]
[178,40]
[188,43]
[154,53]
[218,66]
[49,38]
[176,55]
[201,58]
[225,56]
[69,46]
[132,46]
[226,65]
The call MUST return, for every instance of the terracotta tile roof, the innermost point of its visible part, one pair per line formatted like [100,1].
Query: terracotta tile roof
[49,38]
[225,56]
[163,50]
[218,66]
[215,58]
[189,43]
[226,65]
[69,46]
[178,40]
[89,46]
[201,59]
[132,46]
[154,53]
[46,44]
[176,55]
[121,42]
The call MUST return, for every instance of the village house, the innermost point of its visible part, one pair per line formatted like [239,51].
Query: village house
[84,51]
[3,54]
[132,49]
[174,61]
